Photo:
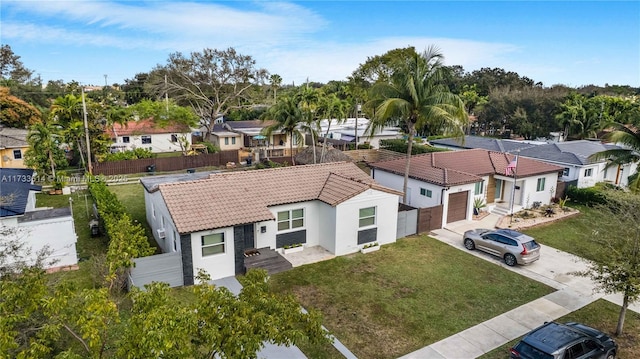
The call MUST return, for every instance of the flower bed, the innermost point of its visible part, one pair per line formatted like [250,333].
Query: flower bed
[534,217]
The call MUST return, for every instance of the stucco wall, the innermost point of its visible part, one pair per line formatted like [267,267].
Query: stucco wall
[59,234]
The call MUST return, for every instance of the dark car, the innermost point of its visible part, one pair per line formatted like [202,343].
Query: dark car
[565,341]
[512,246]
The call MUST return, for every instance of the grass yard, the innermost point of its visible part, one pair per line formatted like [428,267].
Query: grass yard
[602,315]
[405,296]
[570,235]
[132,197]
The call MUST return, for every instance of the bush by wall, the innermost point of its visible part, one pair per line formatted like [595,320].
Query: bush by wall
[587,196]
[399,145]
[134,154]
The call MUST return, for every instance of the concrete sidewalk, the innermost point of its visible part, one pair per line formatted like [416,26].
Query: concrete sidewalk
[554,269]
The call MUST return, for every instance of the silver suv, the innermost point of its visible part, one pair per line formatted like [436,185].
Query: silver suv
[514,247]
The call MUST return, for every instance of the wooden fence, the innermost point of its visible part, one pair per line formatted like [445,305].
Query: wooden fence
[429,218]
[165,164]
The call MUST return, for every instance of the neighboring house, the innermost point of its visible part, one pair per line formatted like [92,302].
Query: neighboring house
[226,139]
[147,134]
[13,145]
[454,179]
[346,132]
[37,227]
[573,156]
[578,169]
[247,136]
[213,222]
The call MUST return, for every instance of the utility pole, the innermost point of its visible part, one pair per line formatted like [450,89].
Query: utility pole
[166,94]
[86,133]
[105,81]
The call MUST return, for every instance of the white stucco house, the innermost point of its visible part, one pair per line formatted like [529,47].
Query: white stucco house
[212,222]
[147,134]
[349,128]
[37,228]
[454,179]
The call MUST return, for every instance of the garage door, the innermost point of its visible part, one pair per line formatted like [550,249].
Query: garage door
[457,207]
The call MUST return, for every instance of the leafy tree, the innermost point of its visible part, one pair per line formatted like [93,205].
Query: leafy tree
[287,116]
[331,108]
[572,113]
[211,82]
[44,153]
[415,96]
[617,269]
[134,90]
[486,79]
[15,112]
[11,68]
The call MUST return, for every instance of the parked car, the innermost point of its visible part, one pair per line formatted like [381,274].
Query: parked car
[514,247]
[565,341]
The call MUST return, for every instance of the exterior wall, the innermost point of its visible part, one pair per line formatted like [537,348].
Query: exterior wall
[456,189]
[157,212]
[226,140]
[59,234]
[348,214]
[8,160]
[217,265]
[160,142]
[527,194]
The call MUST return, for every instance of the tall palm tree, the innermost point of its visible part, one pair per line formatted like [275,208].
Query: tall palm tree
[276,81]
[573,113]
[307,99]
[628,138]
[331,108]
[416,96]
[287,116]
[43,139]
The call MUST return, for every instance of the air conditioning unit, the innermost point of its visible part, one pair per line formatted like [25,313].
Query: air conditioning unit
[161,233]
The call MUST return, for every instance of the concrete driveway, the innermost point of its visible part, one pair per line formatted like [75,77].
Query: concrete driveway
[555,268]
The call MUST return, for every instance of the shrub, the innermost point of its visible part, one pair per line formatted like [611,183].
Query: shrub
[587,196]
[399,145]
[135,154]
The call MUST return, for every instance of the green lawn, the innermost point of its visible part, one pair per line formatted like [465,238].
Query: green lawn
[570,234]
[602,315]
[132,196]
[405,296]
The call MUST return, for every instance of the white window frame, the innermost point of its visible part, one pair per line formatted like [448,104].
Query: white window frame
[478,188]
[588,172]
[226,141]
[233,140]
[126,139]
[19,154]
[364,218]
[540,185]
[214,245]
[426,192]
[143,138]
[294,219]
[565,172]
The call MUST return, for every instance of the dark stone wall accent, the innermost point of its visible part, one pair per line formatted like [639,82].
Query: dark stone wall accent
[367,235]
[287,239]
[238,244]
[187,258]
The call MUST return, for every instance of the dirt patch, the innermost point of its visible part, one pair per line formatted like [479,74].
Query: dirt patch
[528,218]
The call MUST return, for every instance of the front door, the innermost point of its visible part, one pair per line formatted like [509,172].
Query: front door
[249,239]
[498,195]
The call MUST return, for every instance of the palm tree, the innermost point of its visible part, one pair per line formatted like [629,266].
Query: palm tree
[628,138]
[331,107]
[43,139]
[416,96]
[276,81]
[307,99]
[287,117]
[573,113]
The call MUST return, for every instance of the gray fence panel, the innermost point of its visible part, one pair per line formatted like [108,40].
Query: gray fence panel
[166,267]
[407,223]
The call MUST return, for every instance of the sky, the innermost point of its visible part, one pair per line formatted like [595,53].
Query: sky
[573,43]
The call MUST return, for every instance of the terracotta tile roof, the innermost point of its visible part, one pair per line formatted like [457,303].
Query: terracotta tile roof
[462,167]
[234,198]
[144,127]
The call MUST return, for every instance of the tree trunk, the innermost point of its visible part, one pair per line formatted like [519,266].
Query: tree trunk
[411,129]
[293,161]
[623,314]
[78,142]
[313,142]
[53,165]
[324,142]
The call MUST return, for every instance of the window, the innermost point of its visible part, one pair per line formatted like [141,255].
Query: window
[17,154]
[290,219]
[479,187]
[233,140]
[540,186]
[588,172]
[212,244]
[174,137]
[575,351]
[146,140]
[367,216]
[125,139]
[226,141]
[565,172]
[153,210]
[425,192]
